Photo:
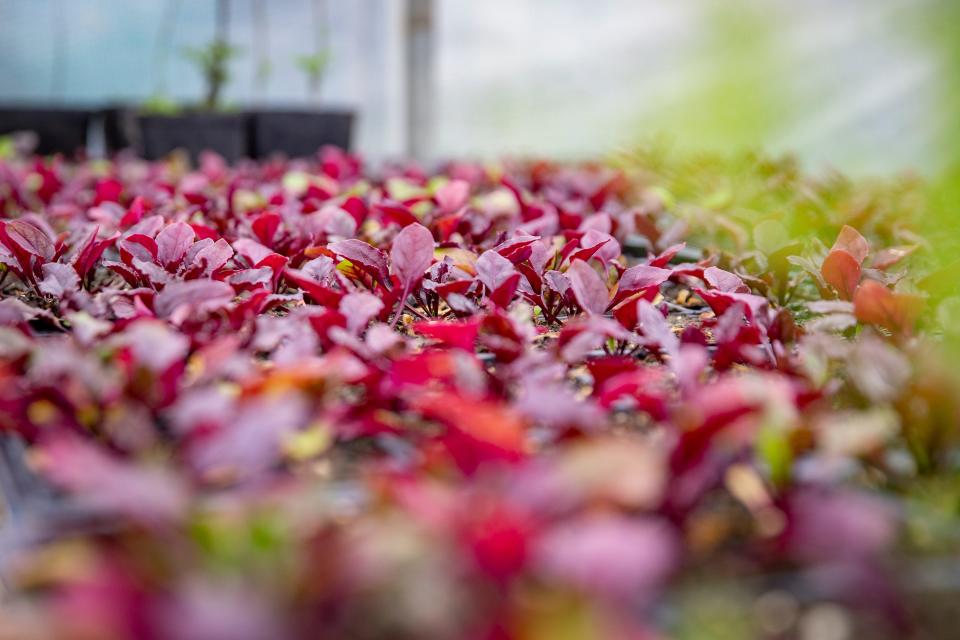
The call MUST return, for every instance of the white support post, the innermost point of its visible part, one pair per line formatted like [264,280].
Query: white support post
[418,53]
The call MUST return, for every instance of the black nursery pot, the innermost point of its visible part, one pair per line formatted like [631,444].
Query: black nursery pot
[120,129]
[59,130]
[225,133]
[298,133]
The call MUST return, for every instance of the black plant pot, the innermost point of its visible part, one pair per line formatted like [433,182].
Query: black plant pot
[59,130]
[298,134]
[120,130]
[225,133]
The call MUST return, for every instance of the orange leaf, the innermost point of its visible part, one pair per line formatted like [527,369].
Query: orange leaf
[482,420]
[842,271]
[875,304]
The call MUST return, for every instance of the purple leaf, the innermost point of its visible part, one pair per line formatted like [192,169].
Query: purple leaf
[152,496]
[251,250]
[359,309]
[724,280]
[363,255]
[608,555]
[173,242]
[588,288]
[412,254]
[493,270]
[214,256]
[320,269]
[192,296]
[557,281]
[154,344]
[59,279]
[641,277]
[29,238]
[452,196]
[609,247]
[656,328]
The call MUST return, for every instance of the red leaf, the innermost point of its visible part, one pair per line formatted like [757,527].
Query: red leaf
[150,495]
[138,246]
[107,190]
[265,227]
[134,213]
[321,294]
[487,431]
[90,251]
[396,212]
[503,295]
[517,248]
[359,309]
[459,335]
[667,255]
[23,238]
[890,256]
[213,257]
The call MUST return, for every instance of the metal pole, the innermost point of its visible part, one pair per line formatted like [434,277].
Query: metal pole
[418,45]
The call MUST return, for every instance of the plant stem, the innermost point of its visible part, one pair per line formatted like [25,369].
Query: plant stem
[216,73]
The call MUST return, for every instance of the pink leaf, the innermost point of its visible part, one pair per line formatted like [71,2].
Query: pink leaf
[608,555]
[655,327]
[359,309]
[452,196]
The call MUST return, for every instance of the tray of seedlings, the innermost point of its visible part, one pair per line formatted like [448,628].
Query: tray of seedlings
[678,396]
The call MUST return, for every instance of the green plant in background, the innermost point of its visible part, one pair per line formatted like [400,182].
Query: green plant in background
[315,64]
[739,97]
[213,59]
[313,67]
[938,22]
[261,45]
[161,105]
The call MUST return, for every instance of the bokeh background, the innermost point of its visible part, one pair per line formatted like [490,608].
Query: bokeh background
[867,86]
